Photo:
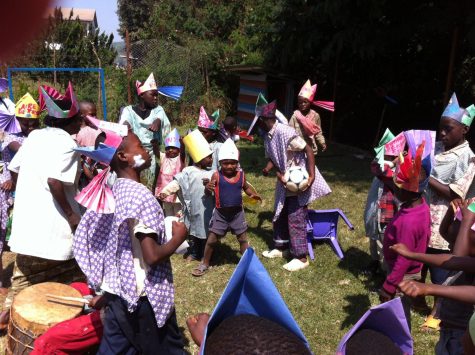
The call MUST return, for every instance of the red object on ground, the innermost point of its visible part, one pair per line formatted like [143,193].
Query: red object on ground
[21,20]
[243,135]
[73,337]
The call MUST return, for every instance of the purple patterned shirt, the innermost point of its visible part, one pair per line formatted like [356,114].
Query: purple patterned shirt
[276,145]
[103,249]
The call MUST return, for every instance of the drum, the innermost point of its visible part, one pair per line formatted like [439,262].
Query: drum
[33,313]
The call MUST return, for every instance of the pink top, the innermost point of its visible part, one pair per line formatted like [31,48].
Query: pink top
[169,167]
[410,226]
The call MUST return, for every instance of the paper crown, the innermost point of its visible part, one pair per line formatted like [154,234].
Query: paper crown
[52,93]
[250,290]
[173,139]
[3,85]
[108,127]
[54,110]
[379,150]
[408,170]
[308,91]
[387,318]
[97,195]
[453,109]
[205,122]
[467,117]
[27,107]
[228,151]
[260,103]
[147,85]
[197,146]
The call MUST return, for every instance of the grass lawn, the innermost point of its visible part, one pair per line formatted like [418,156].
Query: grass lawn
[328,297]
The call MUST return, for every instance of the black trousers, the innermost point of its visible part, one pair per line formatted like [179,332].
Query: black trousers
[137,332]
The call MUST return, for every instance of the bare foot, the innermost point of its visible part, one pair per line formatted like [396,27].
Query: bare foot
[197,326]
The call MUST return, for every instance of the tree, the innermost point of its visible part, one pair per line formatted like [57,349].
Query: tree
[133,15]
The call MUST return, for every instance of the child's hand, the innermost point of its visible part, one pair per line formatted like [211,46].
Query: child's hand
[7,186]
[414,289]
[162,196]
[324,147]
[456,204]
[155,126]
[265,171]
[197,325]
[179,231]
[205,181]
[256,197]
[401,249]
[98,302]
[210,185]
[384,296]
[311,179]
[467,215]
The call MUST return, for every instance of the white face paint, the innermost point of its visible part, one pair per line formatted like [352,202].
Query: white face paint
[138,161]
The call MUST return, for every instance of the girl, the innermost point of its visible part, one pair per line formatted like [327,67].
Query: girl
[190,184]
[171,163]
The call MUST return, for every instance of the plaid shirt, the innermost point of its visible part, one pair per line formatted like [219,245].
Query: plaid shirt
[387,206]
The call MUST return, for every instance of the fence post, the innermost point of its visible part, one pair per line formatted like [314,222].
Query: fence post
[129,66]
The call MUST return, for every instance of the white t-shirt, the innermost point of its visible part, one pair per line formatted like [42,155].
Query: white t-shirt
[40,227]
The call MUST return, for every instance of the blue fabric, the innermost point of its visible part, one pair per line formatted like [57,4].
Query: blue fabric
[229,194]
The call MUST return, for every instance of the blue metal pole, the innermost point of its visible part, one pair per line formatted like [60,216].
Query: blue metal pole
[10,86]
[103,90]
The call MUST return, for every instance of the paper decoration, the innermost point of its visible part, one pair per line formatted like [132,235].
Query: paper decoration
[308,91]
[107,126]
[387,318]
[250,290]
[453,109]
[197,146]
[379,150]
[9,123]
[408,171]
[173,139]
[228,151]
[260,103]
[54,110]
[27,107]
[468,116]
[148,85]
[205,122]
[97,195]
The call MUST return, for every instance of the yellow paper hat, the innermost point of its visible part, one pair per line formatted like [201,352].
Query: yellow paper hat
[197,146]
[27,107]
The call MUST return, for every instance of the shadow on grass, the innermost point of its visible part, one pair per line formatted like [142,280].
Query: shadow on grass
[355,261]
[224,254]
[263,233]
[356,307]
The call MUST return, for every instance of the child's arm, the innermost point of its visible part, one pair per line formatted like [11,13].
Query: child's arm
[310,164]
[446,229]
[250,191]
[211,184]
[171,188]
[458,293]
[465,238]
[442,190]
[319,137]
[446,261]
[88,172]
[154,253]
[269,166]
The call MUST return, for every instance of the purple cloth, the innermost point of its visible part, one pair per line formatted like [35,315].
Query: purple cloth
[9,123]
[103,249]
[410,226]
[277,150]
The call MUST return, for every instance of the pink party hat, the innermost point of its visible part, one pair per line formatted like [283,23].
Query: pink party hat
[308,90]
[148,85]
[54,110]
[97,195]
[205,122]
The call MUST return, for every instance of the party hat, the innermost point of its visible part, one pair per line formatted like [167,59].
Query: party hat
[27,107]
[308,90]
[148,85]
[379,150]
[453,110]
[97,195]
[250,290]
[52,93]
[260,103]
[408,171]
[108,127]
[468,116]
[228,151]
[197,146]
[387,318]
[395,145]
[205,122]
[54,110]
[173,139]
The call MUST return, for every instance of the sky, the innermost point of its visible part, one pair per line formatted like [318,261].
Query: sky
[105,12]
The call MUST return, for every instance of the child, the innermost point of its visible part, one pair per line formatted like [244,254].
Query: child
[209,130]
[24,121]
[306,121]
[227,185]
[190,186]
[229,129]
[450,178]
[134,269]
[88,134]
[171,163]
[285,149]
[410,225]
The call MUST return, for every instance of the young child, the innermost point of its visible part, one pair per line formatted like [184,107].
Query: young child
[171,163]
[285,149]
[410,225]
[88,134]
[306,121]
[209,129]
[451,178]
[130,260]
[227,185]
[229,129]
[190,186]
[23,122]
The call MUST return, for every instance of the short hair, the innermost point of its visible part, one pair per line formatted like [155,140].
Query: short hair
[371,342]
[250,334]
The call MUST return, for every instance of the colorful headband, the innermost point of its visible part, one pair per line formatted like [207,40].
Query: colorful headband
[54,110]
[308,91]
[205,122]
[147,85]
[27,107]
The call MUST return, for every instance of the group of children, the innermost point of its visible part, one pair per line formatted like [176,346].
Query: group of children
[418,216]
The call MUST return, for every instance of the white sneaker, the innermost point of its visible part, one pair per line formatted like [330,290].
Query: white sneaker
[275,253]
[295,265]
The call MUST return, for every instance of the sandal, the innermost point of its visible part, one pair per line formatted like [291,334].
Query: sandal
[200,270]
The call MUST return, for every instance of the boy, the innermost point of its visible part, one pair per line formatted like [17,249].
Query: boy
[209,129]
[227,185]
[410,225]
[134,269]
[88,134]
[285,148]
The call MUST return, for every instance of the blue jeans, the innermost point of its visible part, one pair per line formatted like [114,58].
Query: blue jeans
[450,342]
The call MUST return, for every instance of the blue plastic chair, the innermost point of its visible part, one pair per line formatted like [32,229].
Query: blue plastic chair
[323,225]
